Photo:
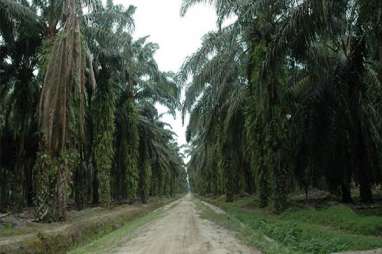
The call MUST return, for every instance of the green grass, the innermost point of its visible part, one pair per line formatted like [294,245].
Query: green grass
[7,230]
[308,230]
[338,217]
[250,237]
[112,240]
[87,226]
[105,243]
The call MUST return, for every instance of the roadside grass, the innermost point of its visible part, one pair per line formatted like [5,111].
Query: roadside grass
[82,227]
[306,230]
[7,229]
[338,217]
[14,224]
[106,243]
[247,235]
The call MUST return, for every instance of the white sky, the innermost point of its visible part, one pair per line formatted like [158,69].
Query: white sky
[178,37]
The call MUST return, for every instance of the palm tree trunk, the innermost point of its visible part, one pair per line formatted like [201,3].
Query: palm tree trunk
[3,188]
[229,178]
[346,193]
[62,93]
[365,193]
[275,148]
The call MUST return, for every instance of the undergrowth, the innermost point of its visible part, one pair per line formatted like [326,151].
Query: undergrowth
[308,230]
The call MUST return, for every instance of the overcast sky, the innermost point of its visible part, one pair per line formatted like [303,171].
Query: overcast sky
[178,37]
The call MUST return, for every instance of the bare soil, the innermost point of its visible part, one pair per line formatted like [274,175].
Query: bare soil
[182,231]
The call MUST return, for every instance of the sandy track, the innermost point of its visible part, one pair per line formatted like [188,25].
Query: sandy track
[182,231]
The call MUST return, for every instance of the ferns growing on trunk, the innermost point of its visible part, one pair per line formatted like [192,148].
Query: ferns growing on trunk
[104,122]
[144,172]
[130,148]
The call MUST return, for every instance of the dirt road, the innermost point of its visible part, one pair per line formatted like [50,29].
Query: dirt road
[182,231]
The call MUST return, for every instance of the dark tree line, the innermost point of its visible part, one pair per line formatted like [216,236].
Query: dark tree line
[287,96]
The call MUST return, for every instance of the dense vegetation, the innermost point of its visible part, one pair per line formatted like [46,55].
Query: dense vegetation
[78,123]
[286,97]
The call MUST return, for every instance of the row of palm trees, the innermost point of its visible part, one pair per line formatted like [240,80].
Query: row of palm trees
[287,95]
[78,122]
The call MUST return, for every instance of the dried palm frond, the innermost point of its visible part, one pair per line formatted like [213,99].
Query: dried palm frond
[63,86]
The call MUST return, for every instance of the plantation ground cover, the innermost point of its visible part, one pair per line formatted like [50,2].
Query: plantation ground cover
[326,229]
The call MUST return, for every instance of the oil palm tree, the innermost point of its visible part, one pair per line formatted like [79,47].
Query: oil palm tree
[309,69]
